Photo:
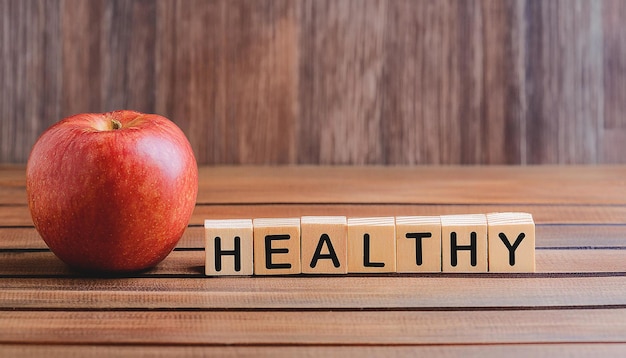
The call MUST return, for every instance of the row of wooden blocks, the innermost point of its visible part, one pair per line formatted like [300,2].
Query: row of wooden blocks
[496,242]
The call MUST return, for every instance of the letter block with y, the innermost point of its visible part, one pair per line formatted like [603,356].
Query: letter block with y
[324,244]
[511,242]
[228,247]
[464,243]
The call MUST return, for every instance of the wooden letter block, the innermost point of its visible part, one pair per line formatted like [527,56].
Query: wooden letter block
[277,246]
[372,244]
[511,242]
[228,247]
[418,243]
[464,243]
[324,241]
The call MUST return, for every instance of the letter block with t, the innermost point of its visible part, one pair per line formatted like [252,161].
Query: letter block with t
[277,246]
[324,244]
[464,243]
[228,246]
[418,243]
[511,242]
[372,244]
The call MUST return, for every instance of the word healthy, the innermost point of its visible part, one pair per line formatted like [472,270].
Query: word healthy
[495,242]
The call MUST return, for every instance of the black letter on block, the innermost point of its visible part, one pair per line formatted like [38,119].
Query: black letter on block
[454,248]
[366,253]
[269,251]
[512,249]
[219,253]
[418,236]
[331,252]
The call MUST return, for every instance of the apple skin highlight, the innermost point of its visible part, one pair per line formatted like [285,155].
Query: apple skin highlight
[112,192]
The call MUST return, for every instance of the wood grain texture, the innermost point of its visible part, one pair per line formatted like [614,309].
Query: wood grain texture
[494,350]
[545,214]
[425,185]
[573,304]
[348,293]
[319,328]
[328,82]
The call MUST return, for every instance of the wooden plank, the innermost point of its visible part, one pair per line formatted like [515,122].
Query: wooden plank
[406,292]
[191,263]
[614,35]
[545,75]
[345,328]
[230,78]
[28,48]
[340,87]
[493,350]
[127,44]
[28,238]
[563,74]
[581,236]
[415,185]
[82,56]
[411,185]
[542,214]
[547,236]
[414,82]
[11,216]
[503,110]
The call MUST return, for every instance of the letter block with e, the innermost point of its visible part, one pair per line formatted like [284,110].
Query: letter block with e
[511,242]
[277,246]
[228,247]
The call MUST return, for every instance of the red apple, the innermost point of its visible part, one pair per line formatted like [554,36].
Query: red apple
[112,192]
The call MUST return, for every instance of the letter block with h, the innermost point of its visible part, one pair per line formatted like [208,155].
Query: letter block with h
[229,250]
[464,243]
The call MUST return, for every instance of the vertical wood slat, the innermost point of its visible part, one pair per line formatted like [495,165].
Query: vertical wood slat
[322,82]
[22,51]
[228,76]
[564,81]
[614,57]
[340,84]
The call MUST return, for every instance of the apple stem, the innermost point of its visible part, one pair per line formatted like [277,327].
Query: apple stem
[115,124]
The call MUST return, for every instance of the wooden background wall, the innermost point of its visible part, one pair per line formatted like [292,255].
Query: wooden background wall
[328,82]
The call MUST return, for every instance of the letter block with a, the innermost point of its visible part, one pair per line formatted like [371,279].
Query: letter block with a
[277,246]
[464,243]
[372,244]
[511,242]
[228,247]
[324,244]
[418,243]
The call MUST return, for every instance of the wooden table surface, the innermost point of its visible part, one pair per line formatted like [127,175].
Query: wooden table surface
[574,304]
